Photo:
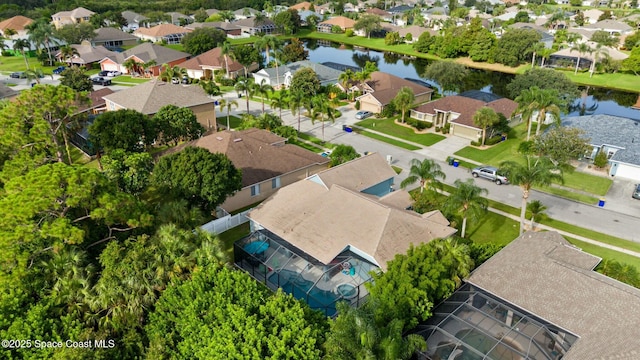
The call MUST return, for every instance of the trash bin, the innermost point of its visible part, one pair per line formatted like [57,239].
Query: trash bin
[601,202]
[504,137]
[450,160]
[348,129]
[456,163]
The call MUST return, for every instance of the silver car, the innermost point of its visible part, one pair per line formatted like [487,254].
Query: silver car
[490,173]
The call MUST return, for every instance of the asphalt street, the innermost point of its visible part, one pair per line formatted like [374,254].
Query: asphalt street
[619,220]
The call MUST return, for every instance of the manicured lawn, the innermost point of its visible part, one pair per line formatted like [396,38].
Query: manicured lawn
[129,79]
[306,146]
[568,194]
[234,121]
[232,235]
[493,228]
[77,156]
[177,47]
[389,127]
[9,64]
[593,184]
[494,155]
[391,141]
[315,140]
[621,81]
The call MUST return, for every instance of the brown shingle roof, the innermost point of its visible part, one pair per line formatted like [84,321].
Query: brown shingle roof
[148,51]
[96,98]
[341,21]
[211,58]
[358,174]
[386,86]
[547,276]
[379,12]
[305,5]
[149,97]
[467,107]
[162,30]
[260,154]
[15,23]
[323,221]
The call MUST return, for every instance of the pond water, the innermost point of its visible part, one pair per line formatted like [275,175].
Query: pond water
[594,100]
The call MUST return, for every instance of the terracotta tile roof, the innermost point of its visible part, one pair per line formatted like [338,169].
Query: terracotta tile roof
[323,222]
[466,107]
[260,154]
[305,5]
[547,276]
[162,30]
[149,97]
[211,58]
[341,21]
[15,23]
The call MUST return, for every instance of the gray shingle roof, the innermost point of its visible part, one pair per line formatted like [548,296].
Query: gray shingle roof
[611,130]
[148,51]
[149,97]
[112,34]
[547,276]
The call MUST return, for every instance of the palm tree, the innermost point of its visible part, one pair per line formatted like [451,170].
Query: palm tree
[544,54]
[324,107]
[545,101]
[34,75]
[456,256]
[296,100]
[20,45]
[536,209]
[467,200]
[211,89]
[41,33]
[226,51]
[426,172]
[170,72]
[244,85]
[280,102]
[582,49]
[146,66]
[484,118]
[263,89]
[228,104]
[67,53]
[536,171]
[267,43]
[346,77]
[526,106]
[404,100]
[599,52]
[131,65]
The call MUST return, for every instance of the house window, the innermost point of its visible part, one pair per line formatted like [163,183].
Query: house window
[255,190]
[275,183]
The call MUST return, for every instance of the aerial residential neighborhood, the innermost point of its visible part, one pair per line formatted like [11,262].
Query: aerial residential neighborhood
[308,180]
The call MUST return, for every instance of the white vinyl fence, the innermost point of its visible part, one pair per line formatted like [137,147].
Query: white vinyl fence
[225,223]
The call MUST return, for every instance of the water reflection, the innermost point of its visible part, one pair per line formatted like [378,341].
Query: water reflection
[594,100]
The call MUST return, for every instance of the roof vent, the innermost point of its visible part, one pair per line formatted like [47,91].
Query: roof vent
[219,138]
[237,140]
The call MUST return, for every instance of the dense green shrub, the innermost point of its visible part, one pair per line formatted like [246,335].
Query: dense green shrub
[357,105]
[446,128]
[349,32]
[601,160]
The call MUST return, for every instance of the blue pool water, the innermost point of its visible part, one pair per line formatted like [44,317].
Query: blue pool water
[293,284]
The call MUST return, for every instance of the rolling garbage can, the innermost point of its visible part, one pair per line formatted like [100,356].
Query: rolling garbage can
[450,160]
[601,202]
[456,163]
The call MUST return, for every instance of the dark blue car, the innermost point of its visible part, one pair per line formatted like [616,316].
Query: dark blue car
[59,69]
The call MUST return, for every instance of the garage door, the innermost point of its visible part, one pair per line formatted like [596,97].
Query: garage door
[625,171]
[108,66]
[464,132]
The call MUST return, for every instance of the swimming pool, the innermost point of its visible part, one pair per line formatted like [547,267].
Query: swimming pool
[303,289]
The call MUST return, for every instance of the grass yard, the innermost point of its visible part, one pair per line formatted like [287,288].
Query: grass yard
[503,151]
[568,194]
[232,235]
[620,81]
[605,253]
[593,184]
[389,127]
[126,79]
[315,140]
[234,121]
[387,140]
[493,228]
[305,145]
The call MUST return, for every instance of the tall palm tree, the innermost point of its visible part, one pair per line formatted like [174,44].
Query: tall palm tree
[325,108]
[599,52]
[263,89]
[226,51]
[146,66]
[483,118]
[457,258]
[527,105]
[67,53]
[41,33]
[132,66]
[427,172]
[296,100]
[228,104]
[404,100]
[582,49]
[244,85]
[211,89]
[536,171]
[267,43]
[280,102]
[548,101]
[20,45]
[467,200]
[536,209]
[346,77]
[170,72]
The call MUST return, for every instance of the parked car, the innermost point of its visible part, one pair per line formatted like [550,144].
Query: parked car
[59,70]
[636,192]
[114,73]
[103,73]
[185,80]
[101,81]
[18,75]
[490,173]
[175,81]
[363,114]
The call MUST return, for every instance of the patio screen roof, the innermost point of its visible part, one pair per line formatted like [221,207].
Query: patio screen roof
[473,324]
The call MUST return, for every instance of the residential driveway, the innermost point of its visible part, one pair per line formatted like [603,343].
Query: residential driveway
[445,148]
[619,197]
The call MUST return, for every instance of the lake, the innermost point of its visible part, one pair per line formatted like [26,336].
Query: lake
[594,100]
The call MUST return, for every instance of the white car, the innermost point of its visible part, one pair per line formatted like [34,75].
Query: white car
[114,73]
[363,114]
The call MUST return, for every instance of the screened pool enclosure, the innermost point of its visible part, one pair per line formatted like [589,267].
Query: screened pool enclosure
[278,264]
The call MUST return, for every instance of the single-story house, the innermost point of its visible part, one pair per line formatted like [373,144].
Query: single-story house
[568,56]
[75,16]
[591,16]
[252,26]
[178,19]
[149,97]
[538,298]
[616,137]
[383,14]
[266,160]
[95,106]
[613,27]
[18,24]
[134,21]
[546,38]
[245,13]
[168,33]
[458,111]
[382,88]
[321,237]
[87,54]
[415,32]
[229,28]
[284,74]
[112,38]
[344,23]
[305,5]
[144,53]
[203,65]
